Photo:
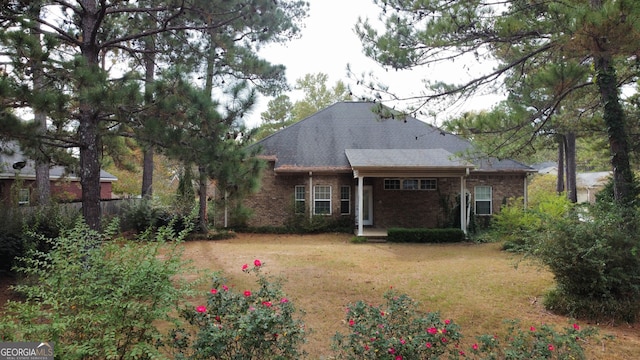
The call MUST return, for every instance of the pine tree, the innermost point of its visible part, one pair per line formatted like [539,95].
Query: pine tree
[522,37]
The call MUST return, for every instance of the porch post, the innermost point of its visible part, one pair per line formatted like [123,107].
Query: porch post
[360,204]
[526,197]
[463,204]
[311,195]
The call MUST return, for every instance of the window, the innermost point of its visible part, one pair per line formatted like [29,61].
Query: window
[299,199]
[410,184]
[345,200]
[428,184]
[392,184]
[322,200]
[483,200]
[23,197]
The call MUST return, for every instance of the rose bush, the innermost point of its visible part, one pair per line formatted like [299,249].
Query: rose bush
[397,331]
[260,324]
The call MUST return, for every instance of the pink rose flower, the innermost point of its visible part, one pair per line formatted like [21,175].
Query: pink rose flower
[257,263]
[201,309]
[245,267]
[247,293]
[214,291]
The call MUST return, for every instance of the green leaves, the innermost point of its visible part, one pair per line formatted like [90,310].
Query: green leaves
[99,296]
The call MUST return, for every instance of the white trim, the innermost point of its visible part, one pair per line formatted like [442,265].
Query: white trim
[360,204]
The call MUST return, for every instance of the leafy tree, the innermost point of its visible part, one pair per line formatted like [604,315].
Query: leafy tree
[281,112]
[594,37]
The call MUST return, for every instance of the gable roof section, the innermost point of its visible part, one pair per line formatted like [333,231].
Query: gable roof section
[319,141]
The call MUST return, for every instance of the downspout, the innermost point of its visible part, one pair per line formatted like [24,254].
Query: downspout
[310,195]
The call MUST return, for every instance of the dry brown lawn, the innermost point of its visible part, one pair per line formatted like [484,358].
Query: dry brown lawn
[477,286]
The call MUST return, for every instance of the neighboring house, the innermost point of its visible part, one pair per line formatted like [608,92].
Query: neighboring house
[17,179]
[588,184]
[345,161]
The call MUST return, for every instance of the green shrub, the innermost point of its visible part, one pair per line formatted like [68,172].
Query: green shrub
[99,297]
[518,227]
[19,225]
[140,216]
[358,240]
[594,258]
[420,235]
[259,324]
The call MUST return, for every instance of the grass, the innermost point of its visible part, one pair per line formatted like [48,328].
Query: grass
[478,286]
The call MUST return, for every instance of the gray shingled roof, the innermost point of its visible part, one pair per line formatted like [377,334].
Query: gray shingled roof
[404,158]
[28,171]
[320,140]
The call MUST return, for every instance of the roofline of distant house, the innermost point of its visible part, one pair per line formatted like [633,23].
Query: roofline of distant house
[13,176]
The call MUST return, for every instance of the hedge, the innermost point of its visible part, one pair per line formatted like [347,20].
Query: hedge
[422,235]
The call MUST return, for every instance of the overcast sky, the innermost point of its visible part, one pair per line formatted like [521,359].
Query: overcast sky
[328,43]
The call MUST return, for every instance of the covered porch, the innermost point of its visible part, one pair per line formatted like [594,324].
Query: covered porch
[411,164]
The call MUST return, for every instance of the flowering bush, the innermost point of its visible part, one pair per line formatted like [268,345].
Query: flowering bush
[396,332]
[534,343]
[249,324]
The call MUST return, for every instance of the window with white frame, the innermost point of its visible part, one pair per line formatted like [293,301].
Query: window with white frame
[299,199]
[345,200]
[24,197]
[483,200]
[322,200]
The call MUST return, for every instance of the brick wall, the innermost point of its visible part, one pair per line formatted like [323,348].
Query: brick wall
[273,204]
[413,208]
[503,187]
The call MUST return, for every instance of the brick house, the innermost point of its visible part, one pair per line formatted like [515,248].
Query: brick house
[346,161]
[17,180]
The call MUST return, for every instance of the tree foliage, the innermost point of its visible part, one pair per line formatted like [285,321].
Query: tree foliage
[559,52]
[91,54]
[281,112]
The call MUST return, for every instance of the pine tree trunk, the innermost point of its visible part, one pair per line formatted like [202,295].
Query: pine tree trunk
[560,177]
[570,152]
[42,165]
[89,136]
[147,173]
[614,119]
[203,178]
[147,164]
